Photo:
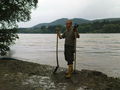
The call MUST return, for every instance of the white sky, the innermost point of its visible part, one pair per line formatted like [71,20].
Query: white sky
[50,10]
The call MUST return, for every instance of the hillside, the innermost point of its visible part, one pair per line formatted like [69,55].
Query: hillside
[108,25]
[61,22]
[108,19]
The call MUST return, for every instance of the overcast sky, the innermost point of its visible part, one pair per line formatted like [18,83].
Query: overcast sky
[50,10]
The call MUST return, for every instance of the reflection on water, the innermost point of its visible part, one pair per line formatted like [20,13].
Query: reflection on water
[94,51]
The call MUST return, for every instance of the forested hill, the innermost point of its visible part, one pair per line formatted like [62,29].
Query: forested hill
[110,25]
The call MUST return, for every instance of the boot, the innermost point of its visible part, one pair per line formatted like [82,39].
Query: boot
[71,67]
[70,70]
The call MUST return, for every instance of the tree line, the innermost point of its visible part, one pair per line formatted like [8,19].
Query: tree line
[103,26]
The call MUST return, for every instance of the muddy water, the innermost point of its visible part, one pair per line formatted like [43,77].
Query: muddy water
[94,51]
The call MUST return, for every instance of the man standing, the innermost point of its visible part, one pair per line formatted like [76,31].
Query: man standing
[69,49]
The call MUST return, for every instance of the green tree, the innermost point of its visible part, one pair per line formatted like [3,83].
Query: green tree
[111,28]
[12,12]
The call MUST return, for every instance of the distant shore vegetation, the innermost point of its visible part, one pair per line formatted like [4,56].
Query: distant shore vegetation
[103,26]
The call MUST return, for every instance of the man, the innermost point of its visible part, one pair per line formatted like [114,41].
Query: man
[69,48]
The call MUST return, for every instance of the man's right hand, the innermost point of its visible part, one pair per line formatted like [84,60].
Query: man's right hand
[58,32]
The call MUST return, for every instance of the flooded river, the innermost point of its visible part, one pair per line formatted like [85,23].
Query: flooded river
[94,51]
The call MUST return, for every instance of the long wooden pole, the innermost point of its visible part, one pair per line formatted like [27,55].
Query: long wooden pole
[56,55]
[75,53]
[57,52]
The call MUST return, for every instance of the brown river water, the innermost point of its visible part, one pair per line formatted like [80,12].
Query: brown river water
[99,52]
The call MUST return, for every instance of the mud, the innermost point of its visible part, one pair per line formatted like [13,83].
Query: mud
[21,75]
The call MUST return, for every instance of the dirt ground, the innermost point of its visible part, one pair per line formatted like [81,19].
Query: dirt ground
[21,75]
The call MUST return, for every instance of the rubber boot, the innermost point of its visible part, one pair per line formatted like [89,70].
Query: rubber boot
[70,70]
[71,66]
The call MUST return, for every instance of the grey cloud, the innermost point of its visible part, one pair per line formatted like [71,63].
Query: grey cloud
[49,10]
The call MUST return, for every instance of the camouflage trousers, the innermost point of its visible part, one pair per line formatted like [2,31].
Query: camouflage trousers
[69,54]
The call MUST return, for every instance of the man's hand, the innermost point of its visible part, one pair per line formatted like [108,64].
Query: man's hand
[58,32]
[75,30]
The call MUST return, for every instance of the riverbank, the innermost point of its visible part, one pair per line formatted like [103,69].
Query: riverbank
[94,51]
[22,75]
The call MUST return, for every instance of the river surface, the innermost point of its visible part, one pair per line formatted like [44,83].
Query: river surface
[99,52]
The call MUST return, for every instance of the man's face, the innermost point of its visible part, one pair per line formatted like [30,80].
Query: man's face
[68,24]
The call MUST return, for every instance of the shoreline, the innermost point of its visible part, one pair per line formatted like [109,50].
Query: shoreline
[80,33]
[20,75]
